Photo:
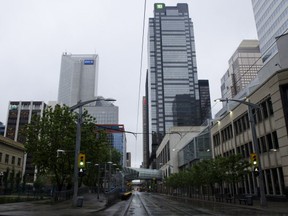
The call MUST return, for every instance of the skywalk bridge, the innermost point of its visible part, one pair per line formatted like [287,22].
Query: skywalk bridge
[142,174]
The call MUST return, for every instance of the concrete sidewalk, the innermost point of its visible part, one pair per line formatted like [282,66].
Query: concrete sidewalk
[277,207]
[90,204]
[272,208]
[44,207]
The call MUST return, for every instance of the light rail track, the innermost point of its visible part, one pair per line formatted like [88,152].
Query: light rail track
[136,205]
[149,205]
[175,207]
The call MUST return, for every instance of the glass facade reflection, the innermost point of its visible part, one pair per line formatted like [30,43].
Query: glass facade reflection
[197,149]
[271,19]
[116,138]
[2,128]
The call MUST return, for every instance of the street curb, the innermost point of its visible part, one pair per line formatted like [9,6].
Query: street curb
[266,209]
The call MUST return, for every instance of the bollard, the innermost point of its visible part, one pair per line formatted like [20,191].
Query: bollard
[249,200]
[80,201]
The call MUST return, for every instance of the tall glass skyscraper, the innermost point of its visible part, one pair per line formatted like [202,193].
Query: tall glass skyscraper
[271,17]
[173,88]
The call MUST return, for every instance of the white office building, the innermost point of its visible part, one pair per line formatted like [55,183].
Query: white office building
[78,78]
[271,17]
[79,81]
[244,65]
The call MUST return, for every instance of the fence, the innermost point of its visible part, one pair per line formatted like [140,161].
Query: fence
[112,196]
[57,196]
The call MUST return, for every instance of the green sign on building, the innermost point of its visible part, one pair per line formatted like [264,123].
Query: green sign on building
[160,6]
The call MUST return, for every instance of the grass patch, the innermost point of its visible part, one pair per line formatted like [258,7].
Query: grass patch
[13,199]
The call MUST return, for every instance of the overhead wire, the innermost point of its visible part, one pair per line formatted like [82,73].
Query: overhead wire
[140,76]
[119,130]
[141,63]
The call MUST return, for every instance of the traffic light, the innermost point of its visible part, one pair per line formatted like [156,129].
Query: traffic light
[254,162]
[253,158]
[81,160]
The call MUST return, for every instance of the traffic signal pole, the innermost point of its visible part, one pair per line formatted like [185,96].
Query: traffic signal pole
[79,106]
[263,201]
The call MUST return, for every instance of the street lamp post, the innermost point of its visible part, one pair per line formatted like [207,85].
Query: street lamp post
[79,106]
[263,201]
[98,178]
[109,176]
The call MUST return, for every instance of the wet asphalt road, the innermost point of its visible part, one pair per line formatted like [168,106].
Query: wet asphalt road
[146,204]
[141,204]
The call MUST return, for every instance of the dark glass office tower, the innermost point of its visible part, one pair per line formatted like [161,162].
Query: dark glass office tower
[205,104]
[173,97]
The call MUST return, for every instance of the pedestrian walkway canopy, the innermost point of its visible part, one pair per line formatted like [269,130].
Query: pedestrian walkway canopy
[141,174]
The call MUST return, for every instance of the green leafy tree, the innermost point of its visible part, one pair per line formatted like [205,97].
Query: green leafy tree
[56,130]
[206,173]
[99,153]
[44,136]
[219,171]
[199,176]
[6,180]
[235,169]
[12,180]
[18,181]
[39,183]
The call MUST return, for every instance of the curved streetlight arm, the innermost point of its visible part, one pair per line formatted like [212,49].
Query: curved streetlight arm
[80,104]
[239,101]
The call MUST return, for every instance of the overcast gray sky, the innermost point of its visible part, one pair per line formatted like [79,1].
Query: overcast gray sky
[35,33]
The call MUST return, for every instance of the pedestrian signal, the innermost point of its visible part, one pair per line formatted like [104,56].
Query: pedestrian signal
[82,172]
[256,171]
